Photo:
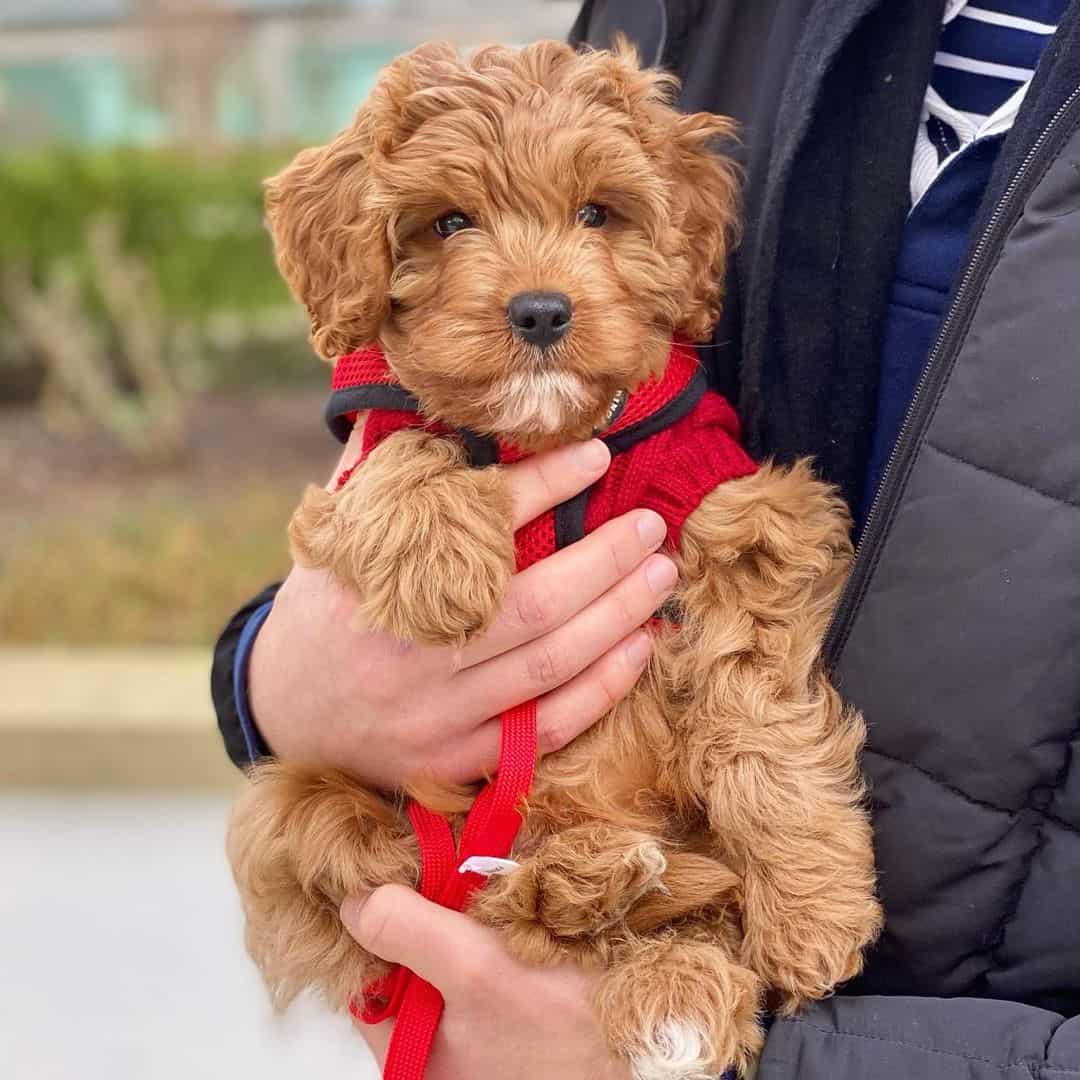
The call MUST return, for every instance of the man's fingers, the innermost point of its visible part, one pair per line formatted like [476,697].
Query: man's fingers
[556,658]
[563,714]
[539,599]
[444,947]
[574,707]
[541,482]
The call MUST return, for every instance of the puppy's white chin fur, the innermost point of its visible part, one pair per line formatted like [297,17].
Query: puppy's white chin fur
[674,1051]
[536,402]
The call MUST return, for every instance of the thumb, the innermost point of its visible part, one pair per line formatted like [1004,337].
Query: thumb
[445,948]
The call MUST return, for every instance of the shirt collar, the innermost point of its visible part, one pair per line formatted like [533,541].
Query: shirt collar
[953,8]
[967,129]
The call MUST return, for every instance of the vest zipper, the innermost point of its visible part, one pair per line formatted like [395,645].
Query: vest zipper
[928,389]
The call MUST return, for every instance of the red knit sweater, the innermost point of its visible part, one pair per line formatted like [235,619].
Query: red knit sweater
[672,443]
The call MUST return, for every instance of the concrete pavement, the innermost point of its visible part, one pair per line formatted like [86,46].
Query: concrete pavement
[121,940]
[121,951]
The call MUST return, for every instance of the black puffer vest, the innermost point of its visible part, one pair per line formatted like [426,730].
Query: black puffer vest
[959,634]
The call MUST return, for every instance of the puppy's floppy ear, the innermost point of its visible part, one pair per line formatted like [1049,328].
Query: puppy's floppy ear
[331,240]
[705,194]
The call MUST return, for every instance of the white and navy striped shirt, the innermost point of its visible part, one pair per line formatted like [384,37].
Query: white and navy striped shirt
[986,57]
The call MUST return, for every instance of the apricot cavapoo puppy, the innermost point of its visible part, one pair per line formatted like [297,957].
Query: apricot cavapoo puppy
[510,251]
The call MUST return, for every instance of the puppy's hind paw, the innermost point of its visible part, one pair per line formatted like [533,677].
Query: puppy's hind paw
[577,888]
[680,1010]
[673,1051]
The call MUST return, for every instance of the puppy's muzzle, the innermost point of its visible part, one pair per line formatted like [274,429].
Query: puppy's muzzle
[540,318]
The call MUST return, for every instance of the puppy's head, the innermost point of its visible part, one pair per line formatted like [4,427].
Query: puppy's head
[522,231]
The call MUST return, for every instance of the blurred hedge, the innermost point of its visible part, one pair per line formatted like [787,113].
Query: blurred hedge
[195,220]
[151,569]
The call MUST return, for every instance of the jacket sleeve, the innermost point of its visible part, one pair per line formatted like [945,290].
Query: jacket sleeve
[896,1038]
[228,681]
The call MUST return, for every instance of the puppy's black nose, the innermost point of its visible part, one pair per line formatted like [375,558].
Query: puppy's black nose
[540,318]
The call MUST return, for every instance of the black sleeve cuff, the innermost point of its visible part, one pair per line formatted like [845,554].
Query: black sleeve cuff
[222,685]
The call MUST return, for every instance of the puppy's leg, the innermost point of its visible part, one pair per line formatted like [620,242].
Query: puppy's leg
[424,540]
[300,839]
[589,884]
[680,1009]
[771,752]
[579,883]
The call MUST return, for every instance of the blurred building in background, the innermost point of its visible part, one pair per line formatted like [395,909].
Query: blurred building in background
[164,71]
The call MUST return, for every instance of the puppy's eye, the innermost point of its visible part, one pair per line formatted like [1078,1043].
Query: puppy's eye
[592,215]
[451,223]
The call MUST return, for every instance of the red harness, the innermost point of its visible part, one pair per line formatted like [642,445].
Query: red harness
[672,442]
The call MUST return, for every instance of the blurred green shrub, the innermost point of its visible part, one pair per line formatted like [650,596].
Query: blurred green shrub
[196,220]
[193,220]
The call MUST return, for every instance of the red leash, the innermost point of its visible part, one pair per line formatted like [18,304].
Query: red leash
[490,829]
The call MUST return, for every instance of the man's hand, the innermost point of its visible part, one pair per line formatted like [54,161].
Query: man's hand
[325,689]
[503,1020]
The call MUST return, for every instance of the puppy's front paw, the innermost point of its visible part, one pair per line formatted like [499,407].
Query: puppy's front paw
[425,541]
[441,574]
[578,886]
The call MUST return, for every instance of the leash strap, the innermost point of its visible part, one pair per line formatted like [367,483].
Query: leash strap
[490,829]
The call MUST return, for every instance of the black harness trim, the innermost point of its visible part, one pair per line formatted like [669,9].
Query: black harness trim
[570,519]
[482,450]
[674,410]
[358,398]
[570,515]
